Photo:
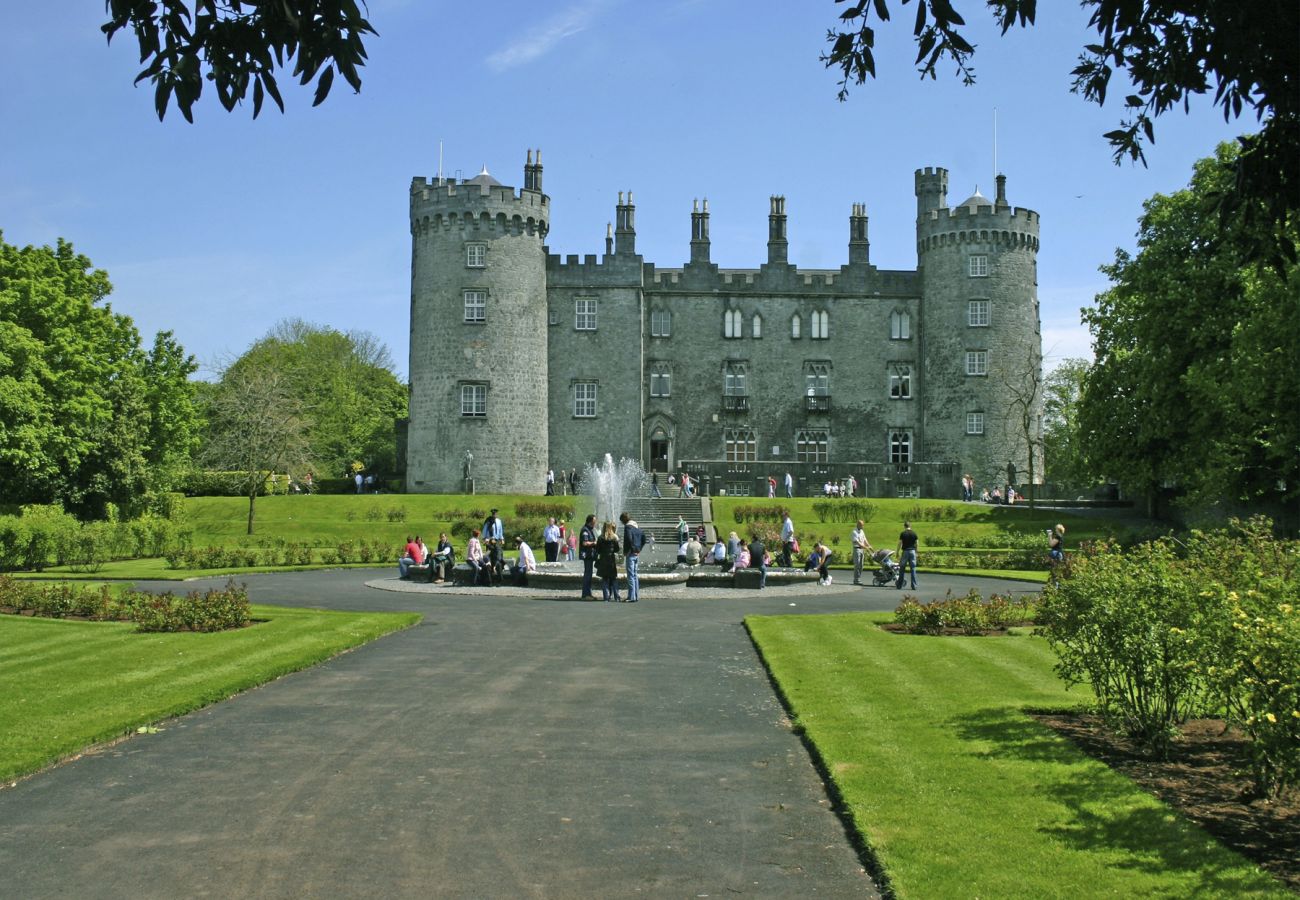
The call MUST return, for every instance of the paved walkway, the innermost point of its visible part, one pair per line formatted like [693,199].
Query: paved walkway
[514,744]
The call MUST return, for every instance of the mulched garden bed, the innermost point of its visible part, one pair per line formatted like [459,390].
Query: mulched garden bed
[1200,779]
[896,628]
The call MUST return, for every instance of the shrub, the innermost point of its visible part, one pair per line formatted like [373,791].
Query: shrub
[212,610]
[844,510]
[14,540]
[396,513]
[539,509]
[93,545]
[1126,624]
[969,614]
[373,513]
[760,512]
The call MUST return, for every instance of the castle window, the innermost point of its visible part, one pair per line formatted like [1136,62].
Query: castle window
[661,323]
[974,423]
[584,314]
[476,306]
[908,492]
[821,325]
[900,447]
[732,324]
[584,399]
[796,326]
[900,325]
[756,326]
[977,313]
[733,379]
[900,381]
[812,447]
[740,447]
[473,400]
[977,362]
[661,375]
[476,255]
[978,265]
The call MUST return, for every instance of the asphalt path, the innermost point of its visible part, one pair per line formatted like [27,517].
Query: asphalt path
[514,744]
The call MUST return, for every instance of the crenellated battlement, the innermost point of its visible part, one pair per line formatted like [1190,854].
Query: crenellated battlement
[983,224]
[448,205]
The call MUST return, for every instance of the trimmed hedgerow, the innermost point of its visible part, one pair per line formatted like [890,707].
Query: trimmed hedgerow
[847,510]
[212,610]
[760,512]
[968,614]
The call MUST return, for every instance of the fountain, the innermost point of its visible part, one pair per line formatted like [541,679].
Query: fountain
[610,484]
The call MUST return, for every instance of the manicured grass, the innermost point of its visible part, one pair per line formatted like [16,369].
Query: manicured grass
[957,792]
[156,569]
[323,519]
[970,520]
[65,685]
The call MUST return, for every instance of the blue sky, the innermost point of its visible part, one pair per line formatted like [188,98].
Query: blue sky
[217,230]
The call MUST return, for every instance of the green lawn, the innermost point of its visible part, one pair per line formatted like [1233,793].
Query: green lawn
[65,685]
[957,792]
[330,518]
[156,569]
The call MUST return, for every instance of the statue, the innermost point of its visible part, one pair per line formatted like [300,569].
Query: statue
[469,464]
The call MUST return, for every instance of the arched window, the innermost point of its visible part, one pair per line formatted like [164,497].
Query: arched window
[756,326]
[732,325]
[821,325]
[900,325]
[796,326]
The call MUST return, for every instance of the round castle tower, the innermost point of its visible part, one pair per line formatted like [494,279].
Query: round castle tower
[981,350]
[478,362]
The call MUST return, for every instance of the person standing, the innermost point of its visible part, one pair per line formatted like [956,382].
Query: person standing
[789,486]
[853,486]
[861,547]
[551,538]
[654,487]
[1056,545]
[758,559]
[787,540]
[573,481]
[682,529]
[607,562]
[907,547]
[360,482]
[771,488]
[494,534]
[633,541]
[550,482]
[587,553]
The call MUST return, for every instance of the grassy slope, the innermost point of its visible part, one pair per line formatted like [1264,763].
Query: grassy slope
[326,517]
[958,792]
[65,685]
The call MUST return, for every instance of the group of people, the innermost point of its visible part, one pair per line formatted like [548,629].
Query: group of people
[995,495]
[600,554]
[566,482]
[416,553]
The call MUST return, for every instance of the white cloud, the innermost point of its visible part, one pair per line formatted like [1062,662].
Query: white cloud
[543,38]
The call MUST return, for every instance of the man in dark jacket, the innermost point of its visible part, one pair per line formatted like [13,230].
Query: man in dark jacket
[907,546]
[633,541]
[758,560]
[587,553]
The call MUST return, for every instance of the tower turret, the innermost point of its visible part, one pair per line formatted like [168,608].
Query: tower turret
[478,362]
[931,190]
[981,349]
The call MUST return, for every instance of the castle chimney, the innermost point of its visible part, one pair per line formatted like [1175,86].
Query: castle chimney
[609,238]
[778,249]
[533,173]
[700,233]
[859,246]
[624,226]
[1000,200]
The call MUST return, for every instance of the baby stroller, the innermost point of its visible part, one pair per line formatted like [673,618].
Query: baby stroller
[888,571]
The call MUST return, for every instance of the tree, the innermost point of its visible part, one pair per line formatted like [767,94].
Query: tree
[78,395]
[256,428]
[1196,382]
[350,398]
[234,42]
[1246,54]
[1063,455]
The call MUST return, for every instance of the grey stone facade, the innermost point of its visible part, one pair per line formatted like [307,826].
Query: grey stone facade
[904,379]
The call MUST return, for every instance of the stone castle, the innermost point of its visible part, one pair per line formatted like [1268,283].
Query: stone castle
[904,379]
